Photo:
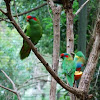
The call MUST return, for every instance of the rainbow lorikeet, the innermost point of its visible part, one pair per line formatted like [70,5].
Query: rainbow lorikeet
[69,67]
[79,58]
[34,31]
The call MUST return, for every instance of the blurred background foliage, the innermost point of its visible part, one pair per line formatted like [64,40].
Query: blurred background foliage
[29,75]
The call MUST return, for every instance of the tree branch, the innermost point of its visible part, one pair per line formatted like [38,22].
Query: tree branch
[97,77]
[49,11]
[2,11]
[16,11]
[31,10]
[81,8]
[8,89]
[33,79]
[14,87]
[20,14]
[4,19]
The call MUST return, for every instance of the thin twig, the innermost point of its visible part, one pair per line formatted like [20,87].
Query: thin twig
[14,87]
[81,8]
[20,14]
[31,10]
[37,78]
[34,78]
[49,11]
[8,89]
[2,11]
[3,19]
[16,11]
[97,77]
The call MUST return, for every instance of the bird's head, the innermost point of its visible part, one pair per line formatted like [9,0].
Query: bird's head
[29,18]
[63,55]
[79,54]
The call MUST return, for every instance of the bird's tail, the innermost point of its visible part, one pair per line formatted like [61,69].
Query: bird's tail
[25,51]
[70,79]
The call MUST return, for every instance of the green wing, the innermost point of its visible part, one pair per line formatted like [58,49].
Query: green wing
[34,31]
[70,79]
[69,68]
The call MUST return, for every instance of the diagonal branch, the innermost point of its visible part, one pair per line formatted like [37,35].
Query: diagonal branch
[8,89]
[2,11]
[81,7]
[31,10]
[49,11]
[3,19]
[20,14]
[14,87]
[97,77]
[16,11]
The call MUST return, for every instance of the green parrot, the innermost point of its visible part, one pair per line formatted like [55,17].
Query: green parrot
[69,67]
[34,32]
[79,58]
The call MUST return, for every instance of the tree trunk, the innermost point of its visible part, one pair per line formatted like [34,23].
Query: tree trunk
[82,28]
[69,34]
[91,64]
[56,46]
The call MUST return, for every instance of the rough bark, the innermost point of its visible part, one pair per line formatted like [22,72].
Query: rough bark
[56,45]
[69,32]
[69,28]
[91,64]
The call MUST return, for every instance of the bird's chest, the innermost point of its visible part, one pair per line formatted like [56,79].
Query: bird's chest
[34,32]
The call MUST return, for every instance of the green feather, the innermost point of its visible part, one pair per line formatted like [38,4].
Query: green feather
[69,67]
[34,31]
[79,58]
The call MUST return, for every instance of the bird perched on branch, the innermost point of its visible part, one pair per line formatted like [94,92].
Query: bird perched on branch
[79,58]
[34,32]
[69,67]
